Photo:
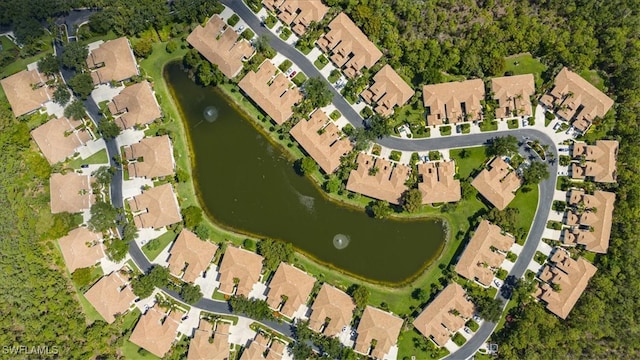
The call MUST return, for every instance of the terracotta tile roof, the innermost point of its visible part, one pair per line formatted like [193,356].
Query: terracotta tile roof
[300,13]
[58,139]
[322,140]
[112,60]
[387,183]
[156,154]
[276,350]
[220,45]
[156,331]
[598,214]
[256,348]
[445,315]
[70,192]
[388,90]
[498,183]
[438,184]
[600,160]
[377,325]
[26,91]
[272,5]
[334,305]
[513,94]
[293,283]
[189,256]
[111,296]
[159,208]
[240,264]
[201,348]
[451,101]
[577,99]
[478,261]
[78,251]
[274,95]
[350,48]
[135,105]
[571,275]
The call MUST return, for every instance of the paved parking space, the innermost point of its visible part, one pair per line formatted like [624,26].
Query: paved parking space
[241,333]
[129,137]
[188,325]
[133,187]
[258,291]
[105,92]
[208,284]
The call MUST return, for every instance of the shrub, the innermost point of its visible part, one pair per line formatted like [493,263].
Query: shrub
[286,64]
[233,20]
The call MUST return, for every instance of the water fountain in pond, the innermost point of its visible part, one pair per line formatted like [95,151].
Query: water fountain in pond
[210,113]
[341,241]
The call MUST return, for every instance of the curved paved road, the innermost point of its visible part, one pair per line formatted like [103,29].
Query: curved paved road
[295,56]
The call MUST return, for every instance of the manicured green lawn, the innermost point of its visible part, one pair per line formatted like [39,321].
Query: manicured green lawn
[134,352]
[321,62]
[98,158]
[7,44]
[473,159]
[458,339]
[412,114]
[512,124]
[412,343]
[445,130]
[526,202]
[299,79]
[488,126]
[154,247]
[594,78]
[525,64]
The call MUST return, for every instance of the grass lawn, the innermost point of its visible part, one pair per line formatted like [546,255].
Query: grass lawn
[594,78]
[472,325]
[512,124]
[7,44]
[412,114]
[458,339]
[488,126]
[299,79]
[154,247]
[134,352]
[321,62]
[448,77]
[473,159]
[285,33]
[412,343]
[589,256]
[526,201]
[333,76]
[21,64]
[445,130]
[98,158]
[525,64]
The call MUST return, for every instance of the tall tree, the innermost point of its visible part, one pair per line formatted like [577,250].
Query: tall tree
[74,56]
[318,92]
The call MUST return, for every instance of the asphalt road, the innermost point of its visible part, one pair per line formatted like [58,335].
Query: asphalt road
[75,17]
[295,56]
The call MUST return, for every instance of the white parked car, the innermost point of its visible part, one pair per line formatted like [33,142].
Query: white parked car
[240,28]
[497,283]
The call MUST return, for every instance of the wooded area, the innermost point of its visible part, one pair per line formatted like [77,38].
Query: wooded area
[427,42]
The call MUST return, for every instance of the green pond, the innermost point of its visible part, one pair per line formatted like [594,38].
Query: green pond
[248,184]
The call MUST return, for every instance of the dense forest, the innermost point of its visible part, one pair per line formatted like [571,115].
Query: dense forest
[424,41]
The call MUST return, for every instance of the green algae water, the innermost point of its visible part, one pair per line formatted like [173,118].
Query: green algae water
[248,184]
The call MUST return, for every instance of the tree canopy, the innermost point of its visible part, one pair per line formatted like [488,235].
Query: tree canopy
[82,85]
[74,56]
[317,92]
[103,216]
[535,173]
[503,146]
[275,252]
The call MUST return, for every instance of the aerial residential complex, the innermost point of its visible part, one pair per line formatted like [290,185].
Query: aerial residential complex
[445,315]
[322,140]
[26,91]
[453,102]
[222,269]
[112,60]
[272,91]
[576,100]
[348,47]
[497,183]
[485,252]
[220,45]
